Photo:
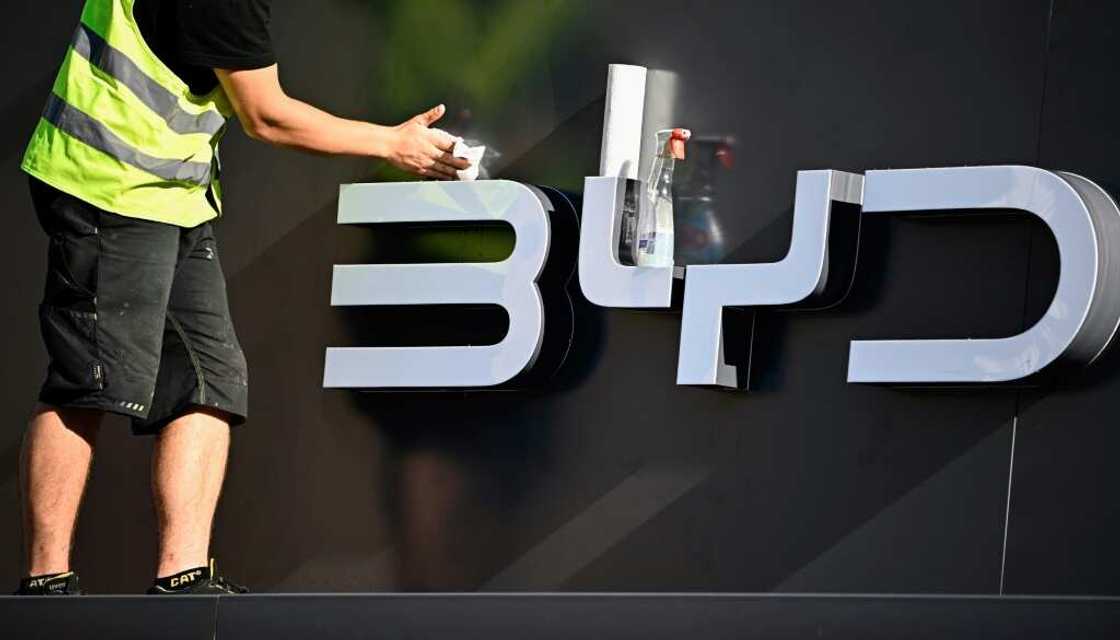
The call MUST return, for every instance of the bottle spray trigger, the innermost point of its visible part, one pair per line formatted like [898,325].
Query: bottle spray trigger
[677,140]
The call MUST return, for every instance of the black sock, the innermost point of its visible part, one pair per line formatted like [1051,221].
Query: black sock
[184,579]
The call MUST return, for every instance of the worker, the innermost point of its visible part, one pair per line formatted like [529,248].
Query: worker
[124,175]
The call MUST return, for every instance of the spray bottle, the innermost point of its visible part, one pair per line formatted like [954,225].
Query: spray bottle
[655,217]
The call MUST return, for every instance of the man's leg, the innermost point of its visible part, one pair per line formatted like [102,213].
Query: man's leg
[54,465]
[188,467]
[201,366]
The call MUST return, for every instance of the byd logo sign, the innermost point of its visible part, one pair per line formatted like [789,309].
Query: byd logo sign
[1076,328]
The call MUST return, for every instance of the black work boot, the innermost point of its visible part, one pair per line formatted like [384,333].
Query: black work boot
[51,584]
[197,581]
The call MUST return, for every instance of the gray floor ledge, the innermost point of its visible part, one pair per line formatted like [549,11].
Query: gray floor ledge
[494,616]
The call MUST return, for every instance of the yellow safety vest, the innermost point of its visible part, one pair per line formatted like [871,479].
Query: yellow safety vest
[123,132]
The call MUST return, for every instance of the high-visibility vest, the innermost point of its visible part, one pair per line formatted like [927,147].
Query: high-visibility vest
[123,132]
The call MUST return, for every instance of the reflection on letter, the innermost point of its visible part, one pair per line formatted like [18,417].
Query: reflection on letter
[800,276]
[510,283]
[1085,311]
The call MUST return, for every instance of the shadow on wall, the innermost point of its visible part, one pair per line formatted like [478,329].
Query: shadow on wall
[427,499]
[464,460]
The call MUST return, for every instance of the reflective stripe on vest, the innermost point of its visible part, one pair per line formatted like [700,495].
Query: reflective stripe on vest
[100,54]
[79,125]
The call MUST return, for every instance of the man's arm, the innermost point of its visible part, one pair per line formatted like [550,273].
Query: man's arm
[270,115]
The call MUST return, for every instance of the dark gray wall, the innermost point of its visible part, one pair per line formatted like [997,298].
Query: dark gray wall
[612,477]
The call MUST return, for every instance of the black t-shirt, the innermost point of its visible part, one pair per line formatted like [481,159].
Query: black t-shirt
[194,37]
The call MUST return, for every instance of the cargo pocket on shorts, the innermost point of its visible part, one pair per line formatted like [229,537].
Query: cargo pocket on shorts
[68,313]
[71,340]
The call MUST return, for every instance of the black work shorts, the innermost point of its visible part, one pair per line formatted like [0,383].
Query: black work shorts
[135,316]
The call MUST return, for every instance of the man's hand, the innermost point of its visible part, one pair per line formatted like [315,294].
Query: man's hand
[419,149]
[268,114]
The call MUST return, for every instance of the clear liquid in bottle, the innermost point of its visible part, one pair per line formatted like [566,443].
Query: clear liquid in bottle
[655,216]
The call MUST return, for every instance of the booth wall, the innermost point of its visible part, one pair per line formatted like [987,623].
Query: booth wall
[611,477]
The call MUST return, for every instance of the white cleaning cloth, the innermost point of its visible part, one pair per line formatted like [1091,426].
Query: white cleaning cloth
[473,155]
